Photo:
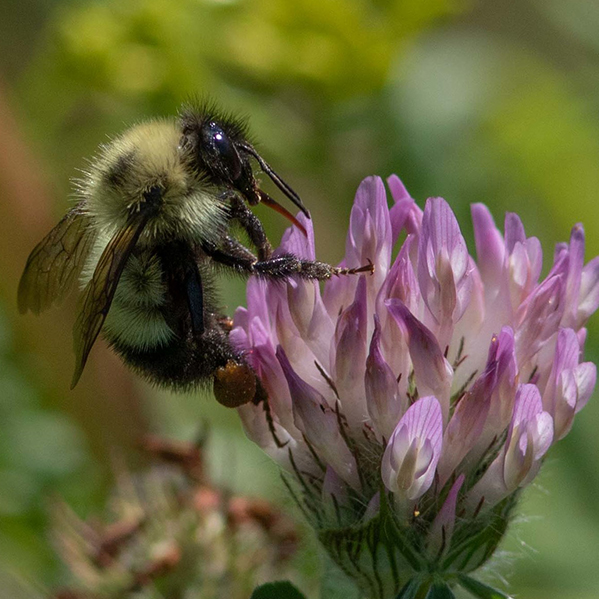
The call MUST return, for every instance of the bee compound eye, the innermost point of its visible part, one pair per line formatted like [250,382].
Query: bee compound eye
[221,153]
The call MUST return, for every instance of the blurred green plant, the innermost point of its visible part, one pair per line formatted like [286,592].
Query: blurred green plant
[169,532]
[42,452]
[296,67]
[337,49]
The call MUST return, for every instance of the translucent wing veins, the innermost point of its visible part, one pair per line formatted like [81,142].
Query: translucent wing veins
[56,262]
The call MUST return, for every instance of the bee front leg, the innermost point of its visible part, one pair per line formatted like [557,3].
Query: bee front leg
[237,256]
[252,226]
[288,265]
[231,253]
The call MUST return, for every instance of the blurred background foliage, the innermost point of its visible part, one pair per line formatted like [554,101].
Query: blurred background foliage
[475,101]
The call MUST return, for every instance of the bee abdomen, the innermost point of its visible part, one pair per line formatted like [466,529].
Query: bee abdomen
[150,321]
[137,327]
[181,364]
[136,318]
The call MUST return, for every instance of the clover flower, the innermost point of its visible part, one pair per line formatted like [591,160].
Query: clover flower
[411,406]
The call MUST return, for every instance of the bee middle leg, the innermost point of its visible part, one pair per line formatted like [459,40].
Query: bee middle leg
[235,383]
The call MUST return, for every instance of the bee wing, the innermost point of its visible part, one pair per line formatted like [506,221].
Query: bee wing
[99,292]
[56,262]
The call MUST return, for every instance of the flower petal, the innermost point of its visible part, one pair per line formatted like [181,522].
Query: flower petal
[368,240]
[295,242]
[405,214]
[411,456]
[385,403]
[432,371]
[320,424]
[529,437]
[589,292]
[574,276]
[349,353]
[441,530]
[467,422]
[443,267]
[490,248]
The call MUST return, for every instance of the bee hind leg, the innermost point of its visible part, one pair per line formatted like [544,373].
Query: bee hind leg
[236,384]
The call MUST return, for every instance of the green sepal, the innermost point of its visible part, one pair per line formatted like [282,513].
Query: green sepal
[379,556]
[335,584]
[473,544]
[277,590]
[417,588]
[410,589]
[479,589]
[440,590]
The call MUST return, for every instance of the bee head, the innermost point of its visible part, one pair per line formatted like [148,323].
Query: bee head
[219,146]
[215,147]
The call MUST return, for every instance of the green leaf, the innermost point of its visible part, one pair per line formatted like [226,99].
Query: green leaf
[277,590]
[481,590]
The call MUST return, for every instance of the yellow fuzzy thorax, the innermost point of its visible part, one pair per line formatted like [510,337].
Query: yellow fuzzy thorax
[149,155]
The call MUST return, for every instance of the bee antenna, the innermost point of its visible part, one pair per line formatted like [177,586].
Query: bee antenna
[284,187]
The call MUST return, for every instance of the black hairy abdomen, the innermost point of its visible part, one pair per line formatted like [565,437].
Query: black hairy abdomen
[182,364]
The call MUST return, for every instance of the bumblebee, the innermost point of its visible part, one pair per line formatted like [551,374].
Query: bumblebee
[154,216]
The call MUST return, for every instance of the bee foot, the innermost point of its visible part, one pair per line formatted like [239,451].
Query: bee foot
[369,268]
[225,323]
